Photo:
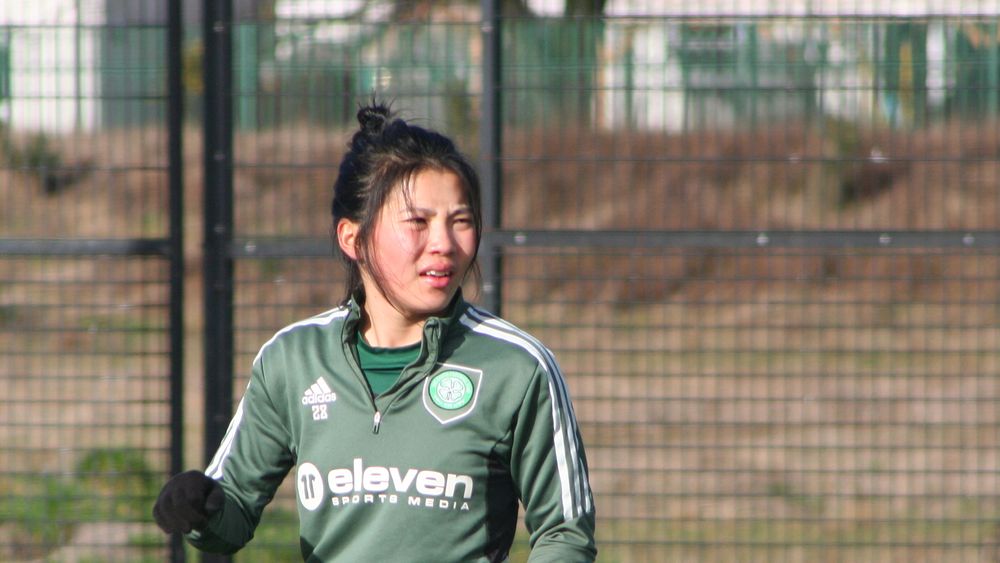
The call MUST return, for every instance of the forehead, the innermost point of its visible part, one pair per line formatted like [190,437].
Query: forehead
[430,187]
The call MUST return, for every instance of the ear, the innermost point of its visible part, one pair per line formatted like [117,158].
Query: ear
[347,238]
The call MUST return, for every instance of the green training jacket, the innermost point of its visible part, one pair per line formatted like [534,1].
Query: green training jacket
[431,470]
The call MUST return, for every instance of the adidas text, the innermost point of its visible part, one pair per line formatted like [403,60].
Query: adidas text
[319,399]
[318,396]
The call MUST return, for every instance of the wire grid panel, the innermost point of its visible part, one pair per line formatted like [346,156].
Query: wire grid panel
[84,407]
[817,403]
[751,123]
[83,144]
[85,380]
[778,405]
[746,405]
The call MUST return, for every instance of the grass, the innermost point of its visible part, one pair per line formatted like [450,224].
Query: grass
[41,513]
[276,540]
[8,315]
[35,513]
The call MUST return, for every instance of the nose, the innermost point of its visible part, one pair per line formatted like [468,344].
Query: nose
[440,238]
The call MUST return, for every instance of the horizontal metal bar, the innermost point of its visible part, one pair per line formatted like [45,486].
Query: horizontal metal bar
[746,239]
[759,158]
[294,247]
[306,247]
[860,13]
[84,247]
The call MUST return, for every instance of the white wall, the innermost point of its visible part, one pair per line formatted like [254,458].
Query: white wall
[53,56]
[710,8]
[655,99]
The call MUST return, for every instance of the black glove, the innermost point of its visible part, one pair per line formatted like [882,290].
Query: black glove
[187,501]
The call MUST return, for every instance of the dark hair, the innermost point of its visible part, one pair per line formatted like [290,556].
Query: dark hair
[385,153]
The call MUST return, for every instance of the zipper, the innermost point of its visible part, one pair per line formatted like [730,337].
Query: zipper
[377,418]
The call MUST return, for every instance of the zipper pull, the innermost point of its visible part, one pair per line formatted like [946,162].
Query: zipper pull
[377,422]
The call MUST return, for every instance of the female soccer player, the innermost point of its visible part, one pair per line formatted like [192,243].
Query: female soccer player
[415,421]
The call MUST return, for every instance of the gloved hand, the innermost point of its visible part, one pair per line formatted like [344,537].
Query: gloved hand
[187,501]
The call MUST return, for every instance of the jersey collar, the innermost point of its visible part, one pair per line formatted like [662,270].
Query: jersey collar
[434,330]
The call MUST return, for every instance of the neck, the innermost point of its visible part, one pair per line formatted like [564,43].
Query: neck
[388,328]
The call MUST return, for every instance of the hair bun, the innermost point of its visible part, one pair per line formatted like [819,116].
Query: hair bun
[374,118]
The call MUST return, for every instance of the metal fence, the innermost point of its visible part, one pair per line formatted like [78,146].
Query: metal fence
[761,240]
[91,326]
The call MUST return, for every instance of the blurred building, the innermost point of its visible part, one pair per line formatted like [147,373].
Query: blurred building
[70,65]
[667,65]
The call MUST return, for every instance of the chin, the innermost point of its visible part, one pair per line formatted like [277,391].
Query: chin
[432,307]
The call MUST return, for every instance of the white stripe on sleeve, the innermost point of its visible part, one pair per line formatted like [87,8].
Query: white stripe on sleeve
[215,468]
[575,492]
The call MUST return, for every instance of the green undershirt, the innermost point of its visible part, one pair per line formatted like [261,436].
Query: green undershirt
[382,366]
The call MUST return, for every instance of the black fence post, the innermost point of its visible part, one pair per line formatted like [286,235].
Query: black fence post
[218,200]
[175,155]
[490,149]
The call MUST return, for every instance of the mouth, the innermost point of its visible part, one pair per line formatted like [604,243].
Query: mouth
[438,277]
[437,273]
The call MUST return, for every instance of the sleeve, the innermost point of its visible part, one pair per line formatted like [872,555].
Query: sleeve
[251,462]
[549,467]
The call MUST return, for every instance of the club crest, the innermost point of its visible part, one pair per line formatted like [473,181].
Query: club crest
[451,392]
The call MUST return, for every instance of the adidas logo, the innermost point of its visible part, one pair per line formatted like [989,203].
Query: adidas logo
[318,393]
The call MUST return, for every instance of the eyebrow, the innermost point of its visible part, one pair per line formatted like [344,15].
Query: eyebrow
[428,211]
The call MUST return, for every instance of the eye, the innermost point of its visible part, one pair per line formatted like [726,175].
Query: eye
[416,221]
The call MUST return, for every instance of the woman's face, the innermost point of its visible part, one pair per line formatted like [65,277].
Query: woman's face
[423,244]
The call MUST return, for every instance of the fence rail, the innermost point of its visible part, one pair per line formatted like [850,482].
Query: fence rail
[761,242]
